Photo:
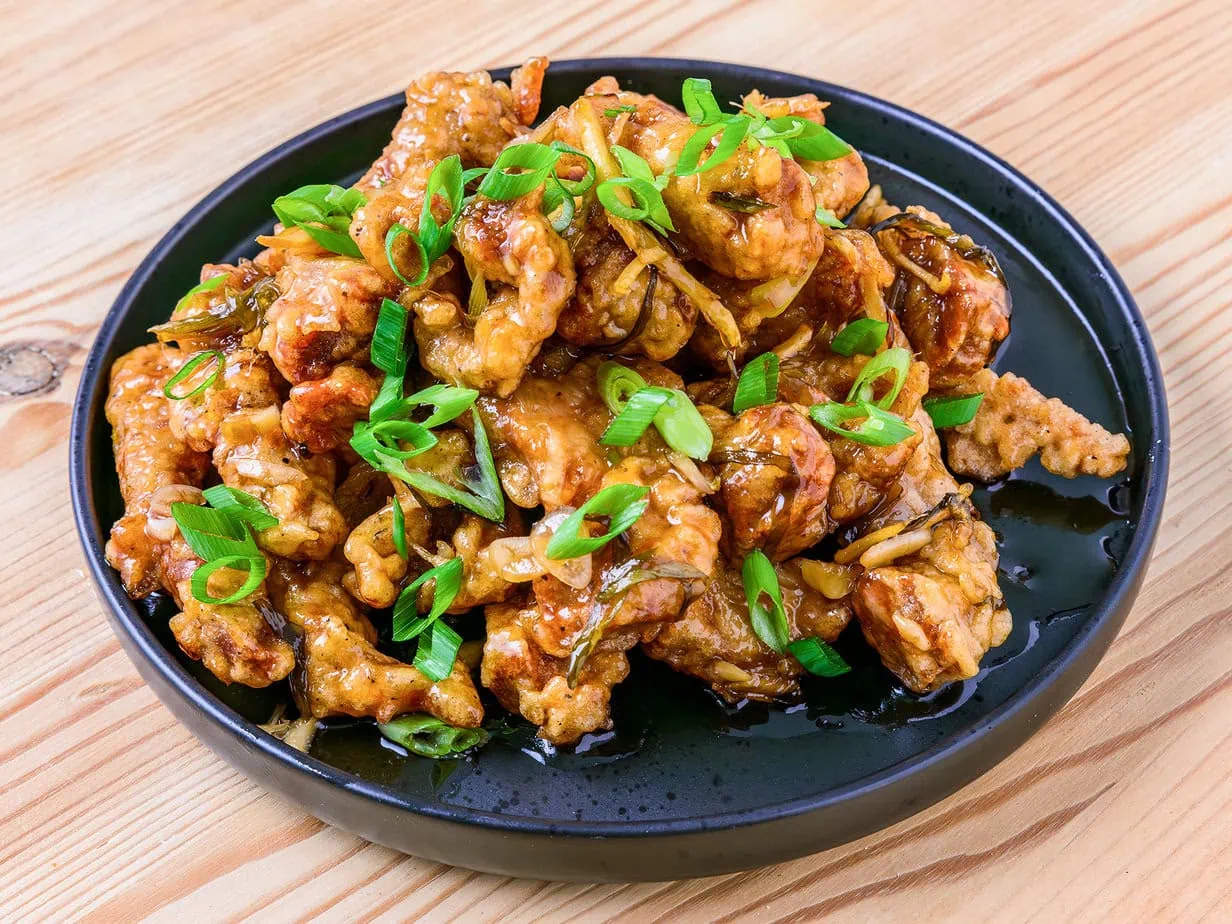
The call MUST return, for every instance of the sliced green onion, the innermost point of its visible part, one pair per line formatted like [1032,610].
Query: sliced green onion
[896,360]
[208,286]
[676,417]
[623,503]
[733,131]
[531,163]
[324,211]
[190,367]
[483,494]
[699,102]
[437,651]
[808,140]
[238,313]
[399,529]
[953,411]
[638,414]
[818,657]
[643,185]
[769,622]
[450,402]
[389,338]
[388,400]
[828,218]
[617,384]
[428,736]
[617,110]
[399,230]
[240,505]
[863,336]
[880,428]
[255,565]
[377,442]
[448,581]
[749,205]
[212,533]
[758,383]
[575,187]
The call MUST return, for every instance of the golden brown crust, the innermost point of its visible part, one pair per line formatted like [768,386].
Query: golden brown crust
[1014,422]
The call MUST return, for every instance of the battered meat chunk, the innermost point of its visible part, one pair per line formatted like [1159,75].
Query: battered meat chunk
[446,113]
[324,316]
[837,184]
[342,671]
[512,245]
[321,414]
[783,240]
[775,480]
[1015,421]
[955,307]
[714,639]
[929,601]
[147,458]
[640,315]
[239,419]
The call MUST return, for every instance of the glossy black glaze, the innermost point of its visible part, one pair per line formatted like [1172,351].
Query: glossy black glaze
[684,786]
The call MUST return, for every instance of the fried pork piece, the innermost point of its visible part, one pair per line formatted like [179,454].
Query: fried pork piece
[342,671]
[714,639]
[849,282]
[1015,421]
[324,316]
[955,306]
[929,601]
[378,567]
[783,240]
[863,474]
[446,113]
[512,245]
[837,184]
[239,419]
[642,314]
[774,481]
[234,641]
[534,685]
[147,458]
[321,414]
[229,312]
[545,435]
[530,646]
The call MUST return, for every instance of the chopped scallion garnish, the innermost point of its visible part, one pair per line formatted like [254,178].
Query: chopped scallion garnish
[896,361]
[399,529]
[482,494]
[324,211]
[879,428]
[954,410]
[208,286]
[645,188]
[519,169]
[828,218]
[760,581]
[189,368]
[241,505]
[818,657]
[863,336]
[617,110]
[428,736]
[623,503]
[222,538]
[433,239]
[758,383]
[436,651]
[669,409]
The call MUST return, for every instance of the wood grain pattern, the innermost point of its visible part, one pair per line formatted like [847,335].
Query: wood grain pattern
[116,117]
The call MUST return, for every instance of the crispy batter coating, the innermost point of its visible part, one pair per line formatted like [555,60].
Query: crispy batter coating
[714,639]
[342,671]
[470,115]
[324,316]
[512,245]
[837,184]
[1015,422]
[533,684]
[644,315]
[775,482]
[378,567]
[321,414]
[147,458]
[932,615]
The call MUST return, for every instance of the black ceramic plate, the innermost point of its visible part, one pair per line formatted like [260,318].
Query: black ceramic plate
[685,786]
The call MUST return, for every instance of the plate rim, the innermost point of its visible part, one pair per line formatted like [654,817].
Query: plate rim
[125,616]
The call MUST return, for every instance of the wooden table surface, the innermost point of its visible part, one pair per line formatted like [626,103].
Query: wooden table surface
[117,117]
